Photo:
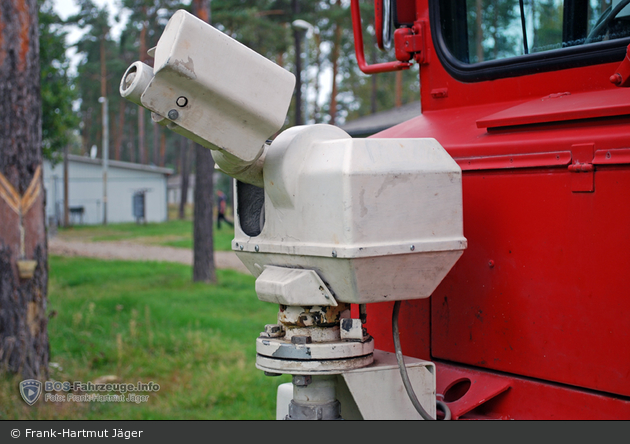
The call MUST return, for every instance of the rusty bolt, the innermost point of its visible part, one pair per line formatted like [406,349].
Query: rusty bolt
[173,114]
[274,330]
[302,380]
[301,339]
[181,101]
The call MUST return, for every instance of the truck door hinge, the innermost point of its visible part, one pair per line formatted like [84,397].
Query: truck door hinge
[410,43]
[582,156]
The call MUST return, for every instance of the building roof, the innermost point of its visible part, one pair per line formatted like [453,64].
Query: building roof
[121,164]
[373,123]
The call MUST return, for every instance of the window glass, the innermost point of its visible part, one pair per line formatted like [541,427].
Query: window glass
[483,30]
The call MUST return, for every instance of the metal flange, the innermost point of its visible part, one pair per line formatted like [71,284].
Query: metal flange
[276,355]
[331,367]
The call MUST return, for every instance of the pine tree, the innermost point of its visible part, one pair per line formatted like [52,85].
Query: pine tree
[24,346]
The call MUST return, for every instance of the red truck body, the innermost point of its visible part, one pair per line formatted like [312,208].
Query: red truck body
[533,322]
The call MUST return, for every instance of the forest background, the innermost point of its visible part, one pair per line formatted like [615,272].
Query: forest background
[76,74]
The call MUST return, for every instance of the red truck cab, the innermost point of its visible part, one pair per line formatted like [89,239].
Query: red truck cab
[529,98]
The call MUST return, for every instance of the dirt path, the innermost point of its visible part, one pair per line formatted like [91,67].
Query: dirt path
[140,252]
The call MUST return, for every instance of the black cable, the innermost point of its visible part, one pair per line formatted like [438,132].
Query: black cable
[447,412]
[403,369]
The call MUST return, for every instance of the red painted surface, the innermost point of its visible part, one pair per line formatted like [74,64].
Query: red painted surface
[492,395]
[621,77]
[559,107]
[540,300]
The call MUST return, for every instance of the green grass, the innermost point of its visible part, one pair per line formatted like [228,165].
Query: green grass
[144,321]
[174,233]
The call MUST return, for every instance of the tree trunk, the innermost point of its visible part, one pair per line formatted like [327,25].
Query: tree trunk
[399,84]
[141,144]
[479,30]
[295,7]
[162,148]
[318,62]
[120,129]
[66,203]
[203,266]
[335,70]
[202,9]
[156,144]
[184,174]
[24,344]
[132,151]
[142,149]
[203,256]
[374,92]
[87,122]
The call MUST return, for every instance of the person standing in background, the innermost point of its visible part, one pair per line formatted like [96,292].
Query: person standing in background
[221,206]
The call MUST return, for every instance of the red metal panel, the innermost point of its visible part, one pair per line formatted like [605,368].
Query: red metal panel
[543,290]
[554,303]
[405,12]
[525,399]
[582,181]
[514,161]
[414,325]
[464,391]
[562,106]
[612,157]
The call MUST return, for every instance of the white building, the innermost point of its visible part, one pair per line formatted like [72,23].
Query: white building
[175,189]
[85,191]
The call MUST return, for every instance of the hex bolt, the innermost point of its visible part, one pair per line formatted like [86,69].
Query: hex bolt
[256,248]
[274,330]
[181,101]
[173,114]
[301,339]
[413,247]
[302,380]
[491,263]
[241,247]
[334,253]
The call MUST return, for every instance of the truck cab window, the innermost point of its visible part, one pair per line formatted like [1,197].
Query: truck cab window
[481,39]
[482,30]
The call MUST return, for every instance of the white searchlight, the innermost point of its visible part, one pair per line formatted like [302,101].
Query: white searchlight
[322,220]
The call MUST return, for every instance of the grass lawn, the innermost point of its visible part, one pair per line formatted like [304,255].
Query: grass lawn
[174,233]
[146,321]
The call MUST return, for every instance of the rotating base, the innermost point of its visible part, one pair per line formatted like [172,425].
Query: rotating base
[280,356]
